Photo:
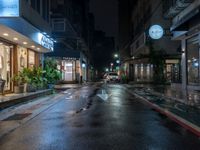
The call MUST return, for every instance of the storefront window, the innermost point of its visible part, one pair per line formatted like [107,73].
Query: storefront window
[31,59]
[148,72]
[22,58]
[193,60]
[5,68]
[176,76]
[136,72]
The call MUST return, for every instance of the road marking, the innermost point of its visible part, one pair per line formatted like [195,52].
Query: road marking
[69,97]
[104,96]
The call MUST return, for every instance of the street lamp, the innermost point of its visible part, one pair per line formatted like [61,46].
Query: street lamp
[111,64]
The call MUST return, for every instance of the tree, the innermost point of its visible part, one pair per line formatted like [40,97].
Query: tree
[157,58]
[52,74]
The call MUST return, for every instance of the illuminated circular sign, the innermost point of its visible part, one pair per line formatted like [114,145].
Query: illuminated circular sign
[156,32]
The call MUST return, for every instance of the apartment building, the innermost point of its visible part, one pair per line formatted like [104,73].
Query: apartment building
[185,26]
[139,66]
[70,21]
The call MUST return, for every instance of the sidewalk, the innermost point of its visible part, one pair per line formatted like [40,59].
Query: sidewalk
[183,108]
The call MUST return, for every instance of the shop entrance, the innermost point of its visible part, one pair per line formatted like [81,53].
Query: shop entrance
[68,71]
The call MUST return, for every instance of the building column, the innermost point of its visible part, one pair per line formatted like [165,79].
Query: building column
[184,66]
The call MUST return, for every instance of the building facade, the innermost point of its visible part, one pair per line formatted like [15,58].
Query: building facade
[70,23]
[185,27]
[144,51]
[25,37]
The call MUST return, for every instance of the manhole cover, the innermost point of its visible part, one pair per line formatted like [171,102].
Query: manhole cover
[17,117]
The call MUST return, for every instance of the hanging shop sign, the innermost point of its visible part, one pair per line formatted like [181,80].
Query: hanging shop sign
[46,42]
[156,32]
[9,8]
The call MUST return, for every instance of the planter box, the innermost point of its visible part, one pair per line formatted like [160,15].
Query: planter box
[19,89]
[50,86]
[31,88]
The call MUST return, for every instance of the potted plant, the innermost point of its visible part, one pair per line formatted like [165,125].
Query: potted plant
[38,78]
[31,87]
[18,84]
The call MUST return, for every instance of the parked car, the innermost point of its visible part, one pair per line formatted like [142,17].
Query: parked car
[112,77]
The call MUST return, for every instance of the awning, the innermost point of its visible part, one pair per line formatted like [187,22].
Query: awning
[19,31]
[182,24]
[62,51]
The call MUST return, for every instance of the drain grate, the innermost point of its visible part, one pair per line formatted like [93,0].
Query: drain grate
[17,117]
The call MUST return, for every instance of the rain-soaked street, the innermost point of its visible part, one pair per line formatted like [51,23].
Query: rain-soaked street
[98,116]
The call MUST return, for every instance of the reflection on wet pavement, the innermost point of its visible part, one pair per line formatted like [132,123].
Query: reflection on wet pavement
[120,123]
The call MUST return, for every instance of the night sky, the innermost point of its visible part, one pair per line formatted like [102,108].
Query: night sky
[106,15]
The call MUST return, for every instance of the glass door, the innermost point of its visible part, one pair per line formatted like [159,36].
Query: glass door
[68,71]
[5,65]
[193,61]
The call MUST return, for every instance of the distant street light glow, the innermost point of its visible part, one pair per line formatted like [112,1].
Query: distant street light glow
[83,65]
[116,55]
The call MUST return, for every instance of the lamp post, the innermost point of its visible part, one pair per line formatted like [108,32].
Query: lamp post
[117,60]
[111,64]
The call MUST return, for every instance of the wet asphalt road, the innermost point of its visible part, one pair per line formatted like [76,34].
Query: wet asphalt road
[84,121]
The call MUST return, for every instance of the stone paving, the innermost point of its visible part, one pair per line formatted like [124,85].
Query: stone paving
[186,107]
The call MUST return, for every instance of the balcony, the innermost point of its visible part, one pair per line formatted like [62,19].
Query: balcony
[138,46]
[62,29]
[171,8]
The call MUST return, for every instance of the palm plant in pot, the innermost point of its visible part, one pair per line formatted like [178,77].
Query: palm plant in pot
[19,82]
[38,78]
[31,86]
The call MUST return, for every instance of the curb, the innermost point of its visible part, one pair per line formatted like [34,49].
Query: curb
[181,121]
[27,98]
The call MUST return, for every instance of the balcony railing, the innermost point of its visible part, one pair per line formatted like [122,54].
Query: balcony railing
[173,7]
